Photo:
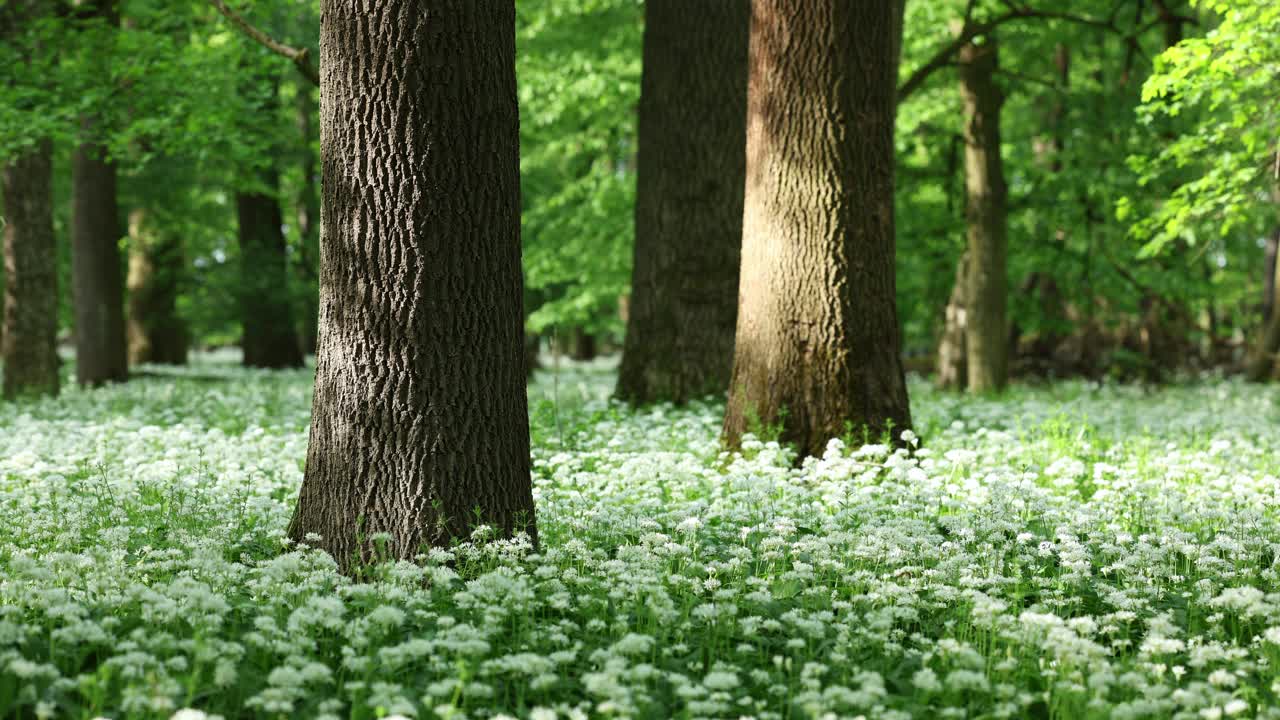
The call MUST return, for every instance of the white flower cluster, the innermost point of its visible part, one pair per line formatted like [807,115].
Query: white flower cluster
[1074,551]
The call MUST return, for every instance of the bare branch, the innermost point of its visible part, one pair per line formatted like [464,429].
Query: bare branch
[301,57]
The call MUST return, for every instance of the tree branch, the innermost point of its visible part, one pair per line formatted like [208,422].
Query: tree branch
[970,30]
[301,57]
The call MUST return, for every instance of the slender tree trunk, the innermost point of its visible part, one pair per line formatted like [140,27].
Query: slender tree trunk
[953,372]
[420,420]
[31,276]
[96,277]
[266,311]
[1265,359]
[986,214]
[1269,285]
[157,334]
[582,345]
[692,164]
[818,342]
[308,211]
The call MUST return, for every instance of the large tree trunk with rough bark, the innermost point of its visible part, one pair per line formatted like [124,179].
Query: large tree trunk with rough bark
[157,267]
[692,162]
[270,339]
[986,214]
[31,276]
[420,420]
[818,342]
[96,278]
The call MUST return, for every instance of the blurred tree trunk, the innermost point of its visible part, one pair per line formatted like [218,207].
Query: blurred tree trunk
[1269,284]
[308,210]
[818,342]
[692,164]
[582,345]
[29,345]
[1265,358]
[986,285]
[157,334]
[953,373]
[420,421]
[266,312]
[96,277]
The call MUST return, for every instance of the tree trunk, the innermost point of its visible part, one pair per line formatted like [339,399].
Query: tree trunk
[308,212]
[1269,284]
[1265,359]
[266,311]
[420,425]
[986,215]
[818,342]
[582,345]
[157,334]
[953,372]
[31,276]
[692,164]
[98,290]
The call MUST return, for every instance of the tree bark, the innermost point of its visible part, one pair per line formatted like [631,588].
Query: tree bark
[266,313]
[986,215]
[157,334]
[29,344]
[96,277]
[818,342]
[689,187]
[420,420]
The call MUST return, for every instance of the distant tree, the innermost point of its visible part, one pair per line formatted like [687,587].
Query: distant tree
[269,337]
[420,421]
[97,278]
[156,332]
[986,284]
[817,346]
[689,185]
[28,338]
[31,276]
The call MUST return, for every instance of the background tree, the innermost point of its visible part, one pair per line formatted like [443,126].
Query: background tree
[157,268]
[420,425]
[97,272]
[818,338]
[27,339]
[692,157]
[986,283]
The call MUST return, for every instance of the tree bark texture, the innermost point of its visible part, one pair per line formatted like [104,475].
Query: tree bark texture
[818,342]
[420,420]
[157,334]
[689,188]
[96,277]
[270,339]
[986,216]
[29,345]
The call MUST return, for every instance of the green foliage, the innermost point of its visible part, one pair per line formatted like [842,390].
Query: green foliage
[578,66]
[1224,169]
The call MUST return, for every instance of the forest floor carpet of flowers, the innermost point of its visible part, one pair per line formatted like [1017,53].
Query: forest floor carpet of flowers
[1072,550]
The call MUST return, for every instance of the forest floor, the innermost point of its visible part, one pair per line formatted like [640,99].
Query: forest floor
[1065,551]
